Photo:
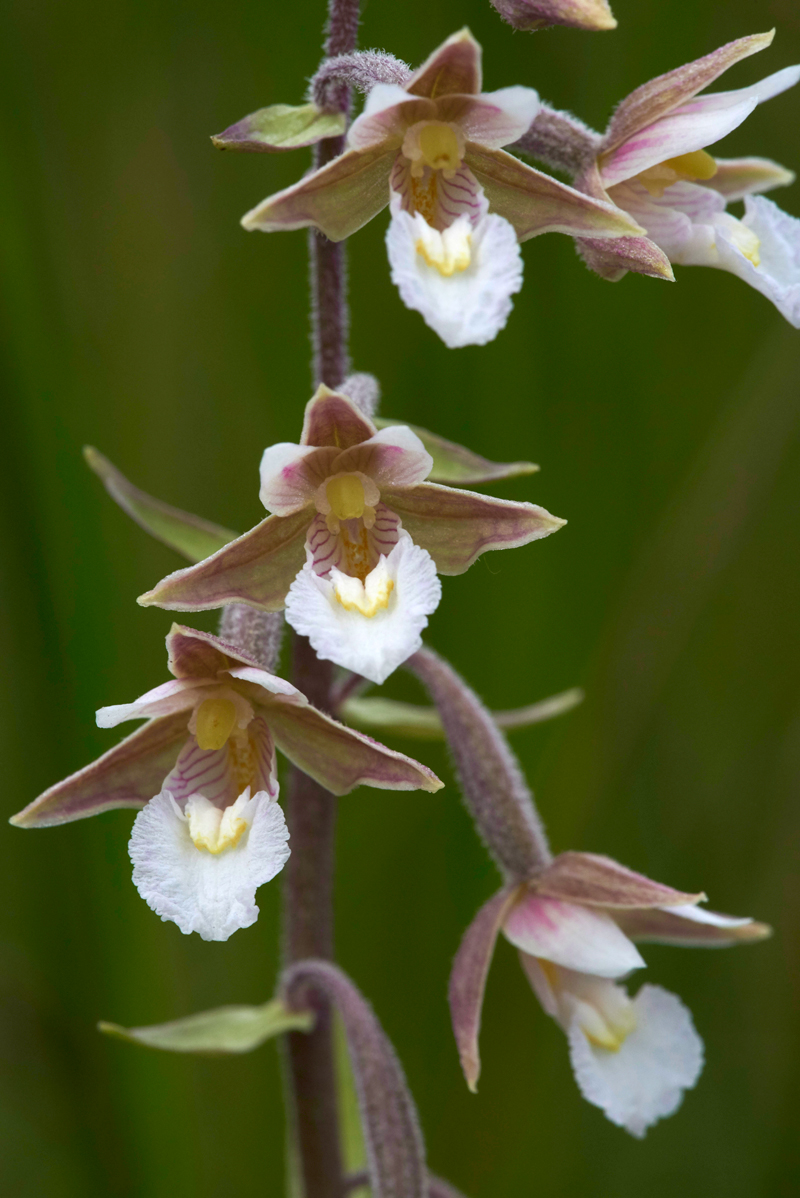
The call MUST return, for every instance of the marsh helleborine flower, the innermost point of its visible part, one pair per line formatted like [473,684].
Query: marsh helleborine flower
[575,925]
[355,540]
[459,205]
[203,770]
[653,163]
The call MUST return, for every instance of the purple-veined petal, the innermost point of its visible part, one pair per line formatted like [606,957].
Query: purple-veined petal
[209,893]
[257,568]
[179,694]
[568,934]
[455,464]
[681,222]
[659,96]
[394,457]
[465,305]
[535,203]
[601,882]
[457,526]
[539,14]
[207,772]
[368,633]
[334,420]
[698,124]
[326,550]
[468,979]
[439,201]
[777,275]
[126,776]
[291,474]
[689,927]
[738,177]
[339,758]
[338,199]
[493,119]
[454,68]
[389,110]
[281,127]
[644,1080]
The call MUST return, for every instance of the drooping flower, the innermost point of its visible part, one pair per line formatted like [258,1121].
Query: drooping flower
[653,163]
[459,205]
[575,926]
[540,14]
[355,540]
[203,771]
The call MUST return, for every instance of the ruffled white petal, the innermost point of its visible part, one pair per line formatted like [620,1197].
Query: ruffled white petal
[201,891]
[472,304]
[372,645]
[777,275]
[579,938]
[644,1079]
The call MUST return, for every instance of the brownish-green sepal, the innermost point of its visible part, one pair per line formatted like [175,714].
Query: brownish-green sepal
[281,127]
[391,717]
[222,1031]
[457,465]
[189,535]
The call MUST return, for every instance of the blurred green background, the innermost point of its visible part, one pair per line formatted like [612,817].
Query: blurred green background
[139,317]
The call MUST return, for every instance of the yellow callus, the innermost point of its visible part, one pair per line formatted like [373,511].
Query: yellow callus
[697,165]
[215,722]
[211,829]
[368,597]
[345,494]
[439,146]
[450,251]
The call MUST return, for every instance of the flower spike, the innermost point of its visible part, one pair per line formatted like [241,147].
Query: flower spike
[355,540]
[429,147]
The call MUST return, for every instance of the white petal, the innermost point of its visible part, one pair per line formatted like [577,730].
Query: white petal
[176,695]
[383,117]
[394,457]
[213,894]
[777,275]
[288,478]
[495,119]
[644,1080]
[765,89]
[702,915]
[580,938]
[471,305]
[373,645]
[681,222]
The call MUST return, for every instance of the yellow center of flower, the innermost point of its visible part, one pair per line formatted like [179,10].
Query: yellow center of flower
[746,240]
[693,166]
[212,829]
[345,494]
[450,251]
[439,146]
[215,722]
[367,597]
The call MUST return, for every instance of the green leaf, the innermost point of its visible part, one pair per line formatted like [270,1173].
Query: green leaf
[423,723]
[281,127]
[190,535]
[221,1031]
[454,464]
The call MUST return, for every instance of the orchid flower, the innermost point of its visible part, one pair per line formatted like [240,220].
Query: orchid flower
[541,14]
[575,926]
[459,205]
[653,163]
[355,540]
[203,771]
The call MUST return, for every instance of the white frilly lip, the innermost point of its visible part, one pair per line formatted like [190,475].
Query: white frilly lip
[644,1080]
[376,645]
[212,894]
[777,275]
[471,306]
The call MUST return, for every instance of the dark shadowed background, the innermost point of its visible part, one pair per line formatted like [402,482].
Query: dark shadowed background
[139,317]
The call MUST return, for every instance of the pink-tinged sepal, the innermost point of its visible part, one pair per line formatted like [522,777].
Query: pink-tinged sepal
[690,927]
[281,127]
[601,882]
[535,203]
[468,979]
[332,419]
[338,199]
[739,177]
[660,96]
[455,68]
[611,260]
[456,527]
[458,466]
[257,568]
[571,935]
[530,15]
[126,776]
